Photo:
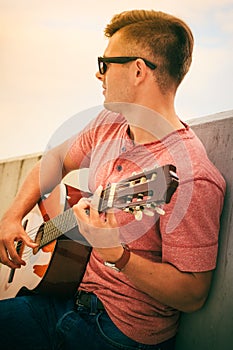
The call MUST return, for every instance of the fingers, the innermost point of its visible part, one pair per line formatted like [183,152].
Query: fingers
[28,241]
[12,240]
[99,229]
[82,209]
[86,210]
[10,257]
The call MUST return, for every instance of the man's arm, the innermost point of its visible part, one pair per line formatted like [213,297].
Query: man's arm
[44,176]
[184,291]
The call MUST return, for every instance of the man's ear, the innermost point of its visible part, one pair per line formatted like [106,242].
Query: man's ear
[140,70]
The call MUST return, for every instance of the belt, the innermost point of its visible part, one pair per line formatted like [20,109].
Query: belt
[89,300]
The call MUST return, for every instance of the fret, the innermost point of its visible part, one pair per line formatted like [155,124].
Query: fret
[58,226]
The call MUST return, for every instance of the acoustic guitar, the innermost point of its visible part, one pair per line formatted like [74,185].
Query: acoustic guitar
[57,266]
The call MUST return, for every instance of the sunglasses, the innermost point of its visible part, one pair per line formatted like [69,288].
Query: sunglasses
[102,62]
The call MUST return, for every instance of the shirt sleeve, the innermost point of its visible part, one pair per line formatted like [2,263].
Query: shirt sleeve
[97,132]
[190,227]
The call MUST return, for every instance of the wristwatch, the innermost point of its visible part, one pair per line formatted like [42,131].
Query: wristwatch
[120,263]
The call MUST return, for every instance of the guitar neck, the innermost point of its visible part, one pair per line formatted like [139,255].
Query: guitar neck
[56,227]
[149,189]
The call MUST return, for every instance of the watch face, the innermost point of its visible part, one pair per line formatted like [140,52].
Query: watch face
[111,265]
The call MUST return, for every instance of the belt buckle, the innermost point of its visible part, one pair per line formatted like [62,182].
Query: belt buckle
[78,299]
[89,301]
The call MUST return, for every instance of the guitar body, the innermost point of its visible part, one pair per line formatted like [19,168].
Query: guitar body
[58,267]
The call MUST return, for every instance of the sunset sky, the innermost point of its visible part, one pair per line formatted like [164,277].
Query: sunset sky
[49,55]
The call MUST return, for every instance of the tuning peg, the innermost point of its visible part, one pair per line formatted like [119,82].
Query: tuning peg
[140,197]
[159,210]
[143,179]
[148,212]
[129,199]
[155,207]
[128,210]
[153,176]
[138,215]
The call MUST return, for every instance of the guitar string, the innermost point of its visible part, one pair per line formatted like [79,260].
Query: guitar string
[51,230]
[57,226]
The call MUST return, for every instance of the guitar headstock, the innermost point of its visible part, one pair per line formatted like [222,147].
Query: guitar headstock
[147,190]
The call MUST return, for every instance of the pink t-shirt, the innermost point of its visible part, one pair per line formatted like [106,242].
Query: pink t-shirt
[186,236]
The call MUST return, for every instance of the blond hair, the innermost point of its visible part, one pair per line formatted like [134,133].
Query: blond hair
[166,40]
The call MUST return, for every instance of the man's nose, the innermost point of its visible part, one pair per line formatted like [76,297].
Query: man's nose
[99,76]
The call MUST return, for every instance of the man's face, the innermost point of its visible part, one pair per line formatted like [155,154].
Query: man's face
[116,82]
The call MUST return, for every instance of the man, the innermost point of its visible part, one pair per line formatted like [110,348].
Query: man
[131,294]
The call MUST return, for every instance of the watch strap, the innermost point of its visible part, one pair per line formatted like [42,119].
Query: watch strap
[120,263]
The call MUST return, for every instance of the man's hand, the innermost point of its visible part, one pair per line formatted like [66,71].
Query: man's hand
[11,231]
[100,229]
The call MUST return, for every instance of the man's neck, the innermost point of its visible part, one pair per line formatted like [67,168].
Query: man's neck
[153,115]
[147,125]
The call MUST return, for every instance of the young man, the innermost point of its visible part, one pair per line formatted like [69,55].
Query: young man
[131,295]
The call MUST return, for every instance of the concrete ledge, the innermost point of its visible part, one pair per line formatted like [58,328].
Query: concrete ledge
[211,118]
[211,327]
[12,173]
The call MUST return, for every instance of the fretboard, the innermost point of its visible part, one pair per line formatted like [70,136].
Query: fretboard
[57,226]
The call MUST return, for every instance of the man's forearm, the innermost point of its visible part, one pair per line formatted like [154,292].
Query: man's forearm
[164,282]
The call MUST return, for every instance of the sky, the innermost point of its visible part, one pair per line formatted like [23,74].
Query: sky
[48,61]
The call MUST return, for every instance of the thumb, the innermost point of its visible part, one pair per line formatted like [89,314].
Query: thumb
[29,242]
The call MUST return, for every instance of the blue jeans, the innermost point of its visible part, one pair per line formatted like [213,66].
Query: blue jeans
[44,323]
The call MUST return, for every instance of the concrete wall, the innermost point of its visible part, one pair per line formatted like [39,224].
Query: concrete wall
[12,173]
[212,327]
